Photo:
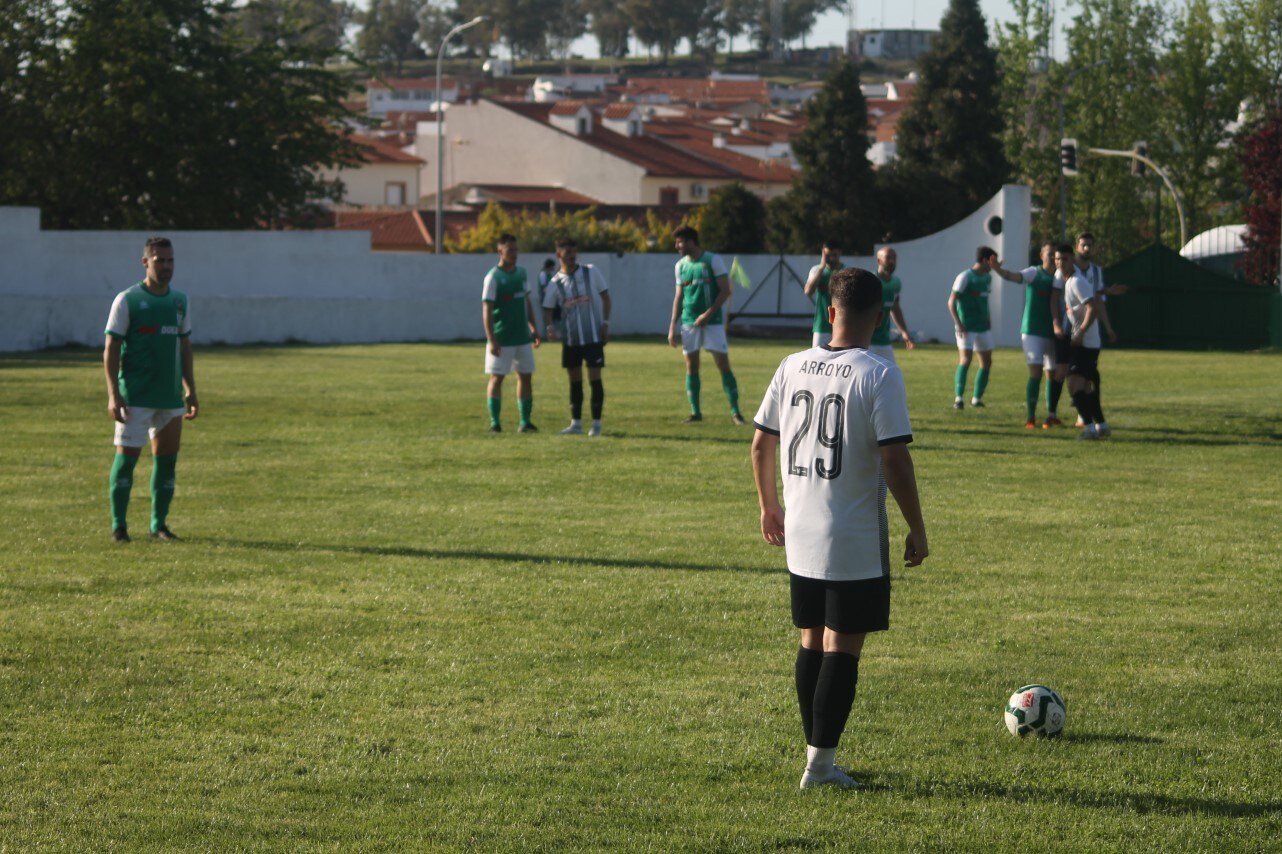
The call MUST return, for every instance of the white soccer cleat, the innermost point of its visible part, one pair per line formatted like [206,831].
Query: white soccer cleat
[1088,434]
[573,430]
[595,430]
[835,777]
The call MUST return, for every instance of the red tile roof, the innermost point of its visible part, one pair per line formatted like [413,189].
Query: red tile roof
[374,150]
[527,195]
[566,108]
[396,83]
[618,110]
[403,230]
[699,89]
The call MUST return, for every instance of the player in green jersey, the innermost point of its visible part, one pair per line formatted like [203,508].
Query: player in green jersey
[891,287]
[151,385]
[703,287]
[968,304]
[511,334]
[1043,306]
[816,288]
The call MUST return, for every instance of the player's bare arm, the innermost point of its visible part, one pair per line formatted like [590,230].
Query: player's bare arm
[812,283]
[1105,322]
[534,326]
[1006,274]
[674,336]
[765,451]
[901,480]
[605,317]
[952,309]
[116,407]
[897,315]
[548,324]
[487,320]
[1117,290]
[189,379]
[1088,318]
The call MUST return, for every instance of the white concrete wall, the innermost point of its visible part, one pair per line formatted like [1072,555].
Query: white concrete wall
[329,287]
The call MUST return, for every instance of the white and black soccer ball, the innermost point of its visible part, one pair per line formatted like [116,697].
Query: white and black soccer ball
[1036,709]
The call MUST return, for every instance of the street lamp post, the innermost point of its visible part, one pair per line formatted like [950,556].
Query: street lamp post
[440,140]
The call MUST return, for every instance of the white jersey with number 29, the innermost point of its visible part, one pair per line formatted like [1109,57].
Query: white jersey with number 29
[832,410]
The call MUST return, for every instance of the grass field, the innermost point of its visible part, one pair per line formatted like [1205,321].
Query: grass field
[388,629]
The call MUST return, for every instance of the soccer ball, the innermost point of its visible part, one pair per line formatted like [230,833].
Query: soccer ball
[1036,709]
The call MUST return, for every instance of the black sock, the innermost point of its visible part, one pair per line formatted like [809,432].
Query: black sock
[834,695]
[576,400]
[1095,404]
[1082,400]
[598,398]
[1057,389]
[807,673]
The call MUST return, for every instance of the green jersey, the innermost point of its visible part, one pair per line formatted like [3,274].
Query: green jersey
[151,328]
[972,299]
[889,296]
[823,297]
[697,280]
[506,292]
[1039,297]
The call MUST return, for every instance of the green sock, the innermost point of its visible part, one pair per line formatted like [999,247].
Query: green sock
[981,382]
[692,393]
[162,488]
[524,406]
[494,405]
[959,380]
[732,391]
[122,480]
[1030,395]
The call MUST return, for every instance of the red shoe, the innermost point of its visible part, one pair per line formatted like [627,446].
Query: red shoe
[1052,421]
[1030,424]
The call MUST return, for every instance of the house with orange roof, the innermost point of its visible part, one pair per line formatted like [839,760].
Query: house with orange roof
[408,94]
[603,152]
[386,176]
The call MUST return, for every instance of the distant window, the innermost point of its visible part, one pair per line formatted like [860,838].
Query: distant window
[583,127]
[634,128]
[394,193]
[669,196]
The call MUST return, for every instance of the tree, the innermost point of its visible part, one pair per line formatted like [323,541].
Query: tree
[734,220]
[389,34]
[834,196]
[951,130]
[1262,168]
[317,24]
[611,25]
[526,25]
[1113,97]
[1253,40]
[194,126]
[537,231]
[658,24]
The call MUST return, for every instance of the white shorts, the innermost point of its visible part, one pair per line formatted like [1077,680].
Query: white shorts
[981,341]
[520,356]
[1039,350]
[144,423]
[884,350]
[820,338]
[711,338]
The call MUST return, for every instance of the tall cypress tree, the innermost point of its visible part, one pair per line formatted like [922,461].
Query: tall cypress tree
[833,197]
[951,131]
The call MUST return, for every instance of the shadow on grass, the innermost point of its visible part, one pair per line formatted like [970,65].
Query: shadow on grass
[1139,802]
[493,556]
[1109,738]
[63,357]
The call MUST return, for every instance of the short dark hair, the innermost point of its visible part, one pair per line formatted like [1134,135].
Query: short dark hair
[1065,249]
[1086,235]
[1051,243]
[549,262]
[984,252]
[831,244]
[565,241]
[506,238]
[855,290]
[685,232]
[154,243]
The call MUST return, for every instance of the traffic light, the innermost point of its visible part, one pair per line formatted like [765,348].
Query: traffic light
[1139,167]
[1068,156]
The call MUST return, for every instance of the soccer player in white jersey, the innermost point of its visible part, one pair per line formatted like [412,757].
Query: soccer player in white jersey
[582,295]
[841,414]
[1081,302]
[1094,275]
[151,385]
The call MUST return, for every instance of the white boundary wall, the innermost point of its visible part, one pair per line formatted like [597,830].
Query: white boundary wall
[328,287]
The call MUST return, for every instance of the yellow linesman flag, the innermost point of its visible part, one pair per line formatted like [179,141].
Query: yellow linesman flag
[739,275]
